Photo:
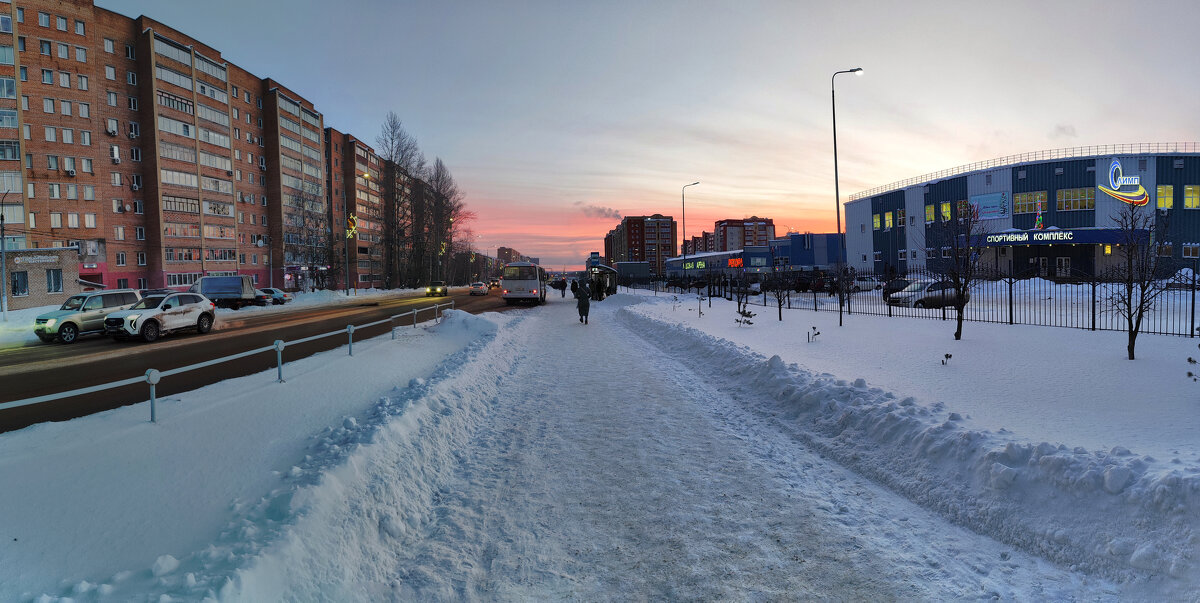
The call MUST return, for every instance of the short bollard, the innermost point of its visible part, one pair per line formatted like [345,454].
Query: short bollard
[279,359]
[152,377]
[350,334]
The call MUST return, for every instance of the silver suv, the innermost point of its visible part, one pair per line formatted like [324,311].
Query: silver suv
[82,314]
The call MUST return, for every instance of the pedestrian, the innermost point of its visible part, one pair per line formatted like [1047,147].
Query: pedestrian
[574,288]
[562,288]
[583,301]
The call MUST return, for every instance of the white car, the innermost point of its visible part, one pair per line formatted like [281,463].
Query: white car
[159,314]
[867,283]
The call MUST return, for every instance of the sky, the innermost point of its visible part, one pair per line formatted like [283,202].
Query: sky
[558,118]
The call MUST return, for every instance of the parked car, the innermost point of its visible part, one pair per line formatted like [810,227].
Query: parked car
[866,283]
[926,294]
[479,289]
[262,298]
[82,314]
[894,286]
[157,315]
[436,288]
[226,291]
[278,296]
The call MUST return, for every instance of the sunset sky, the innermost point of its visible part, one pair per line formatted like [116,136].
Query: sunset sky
[558,117]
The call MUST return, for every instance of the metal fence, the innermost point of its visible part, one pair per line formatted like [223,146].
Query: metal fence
[154,376]
[1071,301]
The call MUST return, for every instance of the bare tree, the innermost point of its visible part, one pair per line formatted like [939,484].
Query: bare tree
[778,282]
[403,162]
[1138,277]
[961,237]
[307,240]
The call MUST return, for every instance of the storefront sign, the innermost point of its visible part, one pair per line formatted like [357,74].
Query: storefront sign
[1078,236]
[37,259]
[735,262]
[1116,180]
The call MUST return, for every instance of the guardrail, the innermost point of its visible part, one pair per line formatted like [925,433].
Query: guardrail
[153,376]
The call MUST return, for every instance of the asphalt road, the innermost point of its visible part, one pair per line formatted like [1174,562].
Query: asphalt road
[39,369]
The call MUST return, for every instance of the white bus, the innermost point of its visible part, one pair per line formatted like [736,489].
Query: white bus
[523,281]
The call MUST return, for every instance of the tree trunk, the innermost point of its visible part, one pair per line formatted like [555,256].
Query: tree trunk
[958,311]
[1132,340]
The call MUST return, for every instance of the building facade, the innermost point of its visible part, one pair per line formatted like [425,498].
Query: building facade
[1049,214]
[642,239]
[731,235]
[356,208]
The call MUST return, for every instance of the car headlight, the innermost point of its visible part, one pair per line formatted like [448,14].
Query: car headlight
[51,322]
[132,318]
[428,289]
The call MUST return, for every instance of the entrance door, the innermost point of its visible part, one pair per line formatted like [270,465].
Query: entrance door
[1062,267]
[1043,266]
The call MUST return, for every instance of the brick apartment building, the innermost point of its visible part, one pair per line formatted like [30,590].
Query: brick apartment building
[704,242]
[154,155]
[356,203]
[642,239]
[732,235]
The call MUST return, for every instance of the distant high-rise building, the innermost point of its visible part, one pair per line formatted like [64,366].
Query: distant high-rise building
[642,239]
[731,235]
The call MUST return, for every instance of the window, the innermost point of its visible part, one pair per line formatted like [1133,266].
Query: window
[89,220]
[1191,197]
[5,23]
[54,282]
[85,110]
[65,107]
[73,192]
[903,254]
[68,136]
[52,164]
[129,52]
[900,218]
[133,103]
[48,105]
[946,253]
[135,154]
[112,125]
[1166,197]
[878,256]
[108,45]
[10,151]
[85,138]
[72,220]
[141,258]
[116,176]
[1166,250]
[61,22]
[928,214]
[44,19]
[110,72]
[82,82]
[55,219]
[875,221]
[1191,251]
[887,221]
[119,233]
[44,47]
[6,55]
[8,118]
[20,284]
[64,50]
[131,78]
[81,54]
[89,192]
[1028,203]
[1073,199]
[24,73]
[50,134]
[112,98]
[47,76]
[79,30]
[139,232]
[120,258]
[64,79]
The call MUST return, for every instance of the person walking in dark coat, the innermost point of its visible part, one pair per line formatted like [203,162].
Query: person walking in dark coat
[583,300]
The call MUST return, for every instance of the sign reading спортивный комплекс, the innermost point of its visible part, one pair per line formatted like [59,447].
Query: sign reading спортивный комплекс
[1077,236]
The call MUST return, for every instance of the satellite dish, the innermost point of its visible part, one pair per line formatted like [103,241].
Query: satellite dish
[259,243]
[128,207]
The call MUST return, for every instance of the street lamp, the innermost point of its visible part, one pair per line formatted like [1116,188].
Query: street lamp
[683,234]
[837,197]
[270,257]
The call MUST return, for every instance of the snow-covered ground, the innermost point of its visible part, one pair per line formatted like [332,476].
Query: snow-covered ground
[652,454]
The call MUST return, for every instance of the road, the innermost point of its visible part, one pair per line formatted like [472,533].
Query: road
[39,369]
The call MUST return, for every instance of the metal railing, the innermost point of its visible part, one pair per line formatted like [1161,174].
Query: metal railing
[153,376]
[1135,148]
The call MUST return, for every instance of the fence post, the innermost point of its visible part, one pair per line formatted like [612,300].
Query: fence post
[152,377]
[1093,305]
[279,360]
[350,335]
[814,300]
[1010,280]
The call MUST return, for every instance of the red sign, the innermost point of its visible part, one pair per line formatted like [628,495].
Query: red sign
[735,262]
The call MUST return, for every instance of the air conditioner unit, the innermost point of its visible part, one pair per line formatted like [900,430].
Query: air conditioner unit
[120,209]
[111,132]
[133,134]
[134,187]
[116,160]
[70,172]
[228,172]
[262,167]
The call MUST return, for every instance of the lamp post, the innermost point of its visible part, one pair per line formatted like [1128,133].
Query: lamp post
[837,198]
[270,257]
[683,233]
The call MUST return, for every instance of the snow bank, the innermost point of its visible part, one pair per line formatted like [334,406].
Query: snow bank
[18,329]
[1111,512]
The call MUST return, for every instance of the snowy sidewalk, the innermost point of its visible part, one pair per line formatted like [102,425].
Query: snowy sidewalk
[578,462]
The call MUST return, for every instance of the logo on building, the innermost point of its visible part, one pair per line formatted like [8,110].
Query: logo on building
[1116,181]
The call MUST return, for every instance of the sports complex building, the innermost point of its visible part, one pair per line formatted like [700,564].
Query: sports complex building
[1048,213]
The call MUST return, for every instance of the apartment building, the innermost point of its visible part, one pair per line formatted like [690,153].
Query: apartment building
[734,234]
[642,239]
[355,202]
[154,155]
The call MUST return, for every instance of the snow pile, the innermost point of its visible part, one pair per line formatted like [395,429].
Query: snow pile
[114,505]
[1112,512]
[18,329]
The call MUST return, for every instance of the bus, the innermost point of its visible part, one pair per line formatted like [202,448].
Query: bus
[523,281]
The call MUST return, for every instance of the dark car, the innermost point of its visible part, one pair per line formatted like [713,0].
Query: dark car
[437,288]
[262,298]
[894,286]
